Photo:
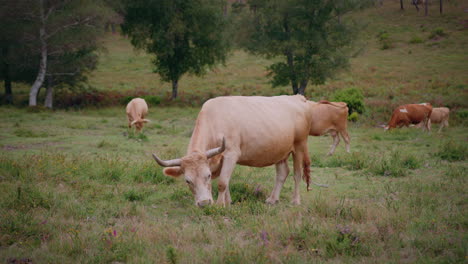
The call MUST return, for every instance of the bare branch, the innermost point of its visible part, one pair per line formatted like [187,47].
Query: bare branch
[64,73]
[75,23]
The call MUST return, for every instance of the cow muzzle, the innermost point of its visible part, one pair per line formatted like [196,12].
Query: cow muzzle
[204,203]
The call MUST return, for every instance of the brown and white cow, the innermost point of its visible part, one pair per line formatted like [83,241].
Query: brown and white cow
[137,109]
[246,130]
[439,115]
[330,117]
[405,115]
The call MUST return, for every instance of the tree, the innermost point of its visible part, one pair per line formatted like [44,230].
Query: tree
[61,27]
[309,36]
[186,36]
[15,59]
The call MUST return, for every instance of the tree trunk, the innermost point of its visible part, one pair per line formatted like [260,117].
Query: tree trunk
[292,74]
[49,99]
[425,7]
[43,64]
[6,74]
[401,5]
[302,87]
[440,7]
[175,84]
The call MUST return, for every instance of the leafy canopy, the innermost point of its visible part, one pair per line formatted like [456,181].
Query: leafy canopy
[310,37]
[185,35]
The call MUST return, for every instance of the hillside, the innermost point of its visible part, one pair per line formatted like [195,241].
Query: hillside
[416,67]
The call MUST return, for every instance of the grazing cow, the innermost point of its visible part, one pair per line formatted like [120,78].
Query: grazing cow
[405,115]
[439,115]
[330,117]
[255,131]
[136,111]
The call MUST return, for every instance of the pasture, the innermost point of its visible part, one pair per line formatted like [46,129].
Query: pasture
[77,186]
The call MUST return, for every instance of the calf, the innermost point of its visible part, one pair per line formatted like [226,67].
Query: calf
[405,115]
[330,117]
[136,111]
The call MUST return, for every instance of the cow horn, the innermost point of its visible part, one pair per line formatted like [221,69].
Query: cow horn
[167,163]
[212,152]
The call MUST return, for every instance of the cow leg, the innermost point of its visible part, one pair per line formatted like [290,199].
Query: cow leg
[336,141]
[224,197]
[428,125]
[346,138]
[301,160]
[282,172]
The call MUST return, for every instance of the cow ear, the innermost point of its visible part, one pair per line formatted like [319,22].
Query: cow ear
[173,171]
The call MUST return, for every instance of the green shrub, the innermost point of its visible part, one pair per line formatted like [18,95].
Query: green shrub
[437,32]
[462,114]
[453,151]
[171,255]
[152,100]
[385,40]
[353,117]
[416,40]
[353,97]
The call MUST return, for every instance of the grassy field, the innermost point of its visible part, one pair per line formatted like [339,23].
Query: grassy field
[77,187]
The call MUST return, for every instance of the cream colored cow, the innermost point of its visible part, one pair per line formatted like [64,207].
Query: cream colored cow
[439,115]
[137,109]
[246,130]
[330,117]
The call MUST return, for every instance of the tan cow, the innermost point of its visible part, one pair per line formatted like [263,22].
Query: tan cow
[330,117]
[405,115]
[439,115]
[137,109]
[246,130]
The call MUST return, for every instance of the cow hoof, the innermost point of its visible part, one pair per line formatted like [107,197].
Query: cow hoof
[296,202]
[271,201]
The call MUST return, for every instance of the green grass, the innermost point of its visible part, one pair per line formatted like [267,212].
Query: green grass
[92,194]
[80,187]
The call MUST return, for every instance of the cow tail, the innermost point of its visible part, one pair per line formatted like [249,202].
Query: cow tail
[306,174]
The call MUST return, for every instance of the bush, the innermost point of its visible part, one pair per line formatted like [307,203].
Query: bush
[416,40]
[351,96]
[353,117]
[385,40]
[437,32]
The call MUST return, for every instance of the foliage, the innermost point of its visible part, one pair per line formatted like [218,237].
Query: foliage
[353,97]
[353,117]
[310,37]
[385,41]
[416,40]
[185,36]
[437,33]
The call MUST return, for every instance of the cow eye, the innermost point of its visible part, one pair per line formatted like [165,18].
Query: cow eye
[188,182]
[209,176]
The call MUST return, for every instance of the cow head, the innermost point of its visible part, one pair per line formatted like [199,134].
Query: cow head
[196,170]
[139,123]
